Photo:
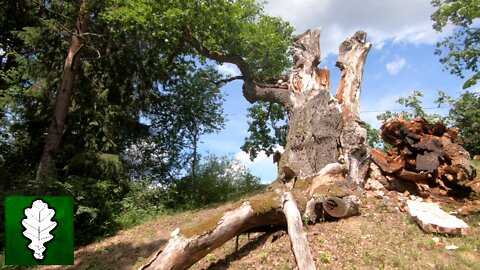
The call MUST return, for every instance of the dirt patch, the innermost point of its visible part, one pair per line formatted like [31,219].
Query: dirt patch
[380,238]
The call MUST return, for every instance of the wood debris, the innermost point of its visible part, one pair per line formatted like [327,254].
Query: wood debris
[431,218]
[426,155]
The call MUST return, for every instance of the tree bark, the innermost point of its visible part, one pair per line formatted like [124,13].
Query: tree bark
[325,146]
[65,91]
[182,252]
[351,60]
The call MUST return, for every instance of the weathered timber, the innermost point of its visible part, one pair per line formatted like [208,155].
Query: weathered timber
[386,163]
[325,147]
[425,154]
[342,207]
[351,60]
[431,218]
[298,237]
[182,252]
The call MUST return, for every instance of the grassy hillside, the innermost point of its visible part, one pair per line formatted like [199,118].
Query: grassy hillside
[381,238]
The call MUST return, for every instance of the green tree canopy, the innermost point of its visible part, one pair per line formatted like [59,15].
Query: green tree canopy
[460,51]
[465,114]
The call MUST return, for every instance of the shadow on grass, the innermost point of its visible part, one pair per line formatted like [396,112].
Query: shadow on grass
[118,256]
[242,252]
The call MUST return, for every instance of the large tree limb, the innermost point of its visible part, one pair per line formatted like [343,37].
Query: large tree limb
[351,60]
[182,252]
[251,90]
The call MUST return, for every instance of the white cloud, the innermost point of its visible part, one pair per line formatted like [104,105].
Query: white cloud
[262,166]
[394,66]
[384,21]
[228,69]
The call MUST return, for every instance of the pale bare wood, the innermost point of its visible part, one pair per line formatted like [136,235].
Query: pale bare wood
[320,131]
[181,252]
[298,236]
[351,61]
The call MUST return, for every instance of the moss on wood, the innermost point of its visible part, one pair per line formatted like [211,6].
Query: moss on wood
[333,190]
[205,226]
[264,203]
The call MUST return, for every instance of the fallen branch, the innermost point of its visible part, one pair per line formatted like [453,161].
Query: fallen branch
[298,237]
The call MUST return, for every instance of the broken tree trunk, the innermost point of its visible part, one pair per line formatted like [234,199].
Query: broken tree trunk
[352,55]
[426,155]
[325,154]
[183,249]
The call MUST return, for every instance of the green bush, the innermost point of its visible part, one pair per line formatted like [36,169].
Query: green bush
[218,179]
[144,202]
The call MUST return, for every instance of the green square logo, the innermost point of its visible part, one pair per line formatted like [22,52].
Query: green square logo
[38,230]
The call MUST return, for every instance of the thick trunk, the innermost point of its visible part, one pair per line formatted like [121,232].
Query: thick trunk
[65,92]
[326,150]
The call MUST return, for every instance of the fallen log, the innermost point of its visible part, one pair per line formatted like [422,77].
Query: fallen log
[342,207]
[182,251]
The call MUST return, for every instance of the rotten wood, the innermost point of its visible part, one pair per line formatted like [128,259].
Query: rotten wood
[325,145]
[351,61]
[182,252]
[342,207]
[425,154]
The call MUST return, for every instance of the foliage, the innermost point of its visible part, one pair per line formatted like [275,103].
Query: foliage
[268,128]
[465,114]
[460,51]
[373,136]
[413,104]
[142,98]
[143,202]
[219,179]
[195,105]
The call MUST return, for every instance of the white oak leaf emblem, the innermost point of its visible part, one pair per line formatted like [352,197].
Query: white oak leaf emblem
[38,225]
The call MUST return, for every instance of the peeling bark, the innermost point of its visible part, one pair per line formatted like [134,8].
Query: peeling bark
[351,60]
[325,144]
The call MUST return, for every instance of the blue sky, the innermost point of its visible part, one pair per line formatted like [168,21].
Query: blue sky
[401,60]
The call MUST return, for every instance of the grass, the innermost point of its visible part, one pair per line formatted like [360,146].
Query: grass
[378,239]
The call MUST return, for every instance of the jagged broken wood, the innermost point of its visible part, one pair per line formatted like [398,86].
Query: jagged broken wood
[425,154]
[431,218]
[325,147]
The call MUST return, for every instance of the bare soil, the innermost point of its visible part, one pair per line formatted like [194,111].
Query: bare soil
[380,238]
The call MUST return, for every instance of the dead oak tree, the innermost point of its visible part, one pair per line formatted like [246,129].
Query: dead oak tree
[325,158]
